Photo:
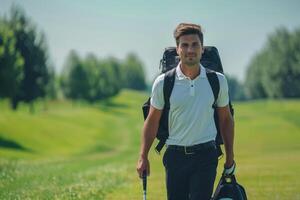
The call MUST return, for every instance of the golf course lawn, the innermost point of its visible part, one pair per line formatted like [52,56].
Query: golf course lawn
[79,151]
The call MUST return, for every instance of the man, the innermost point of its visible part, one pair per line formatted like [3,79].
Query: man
[189,174]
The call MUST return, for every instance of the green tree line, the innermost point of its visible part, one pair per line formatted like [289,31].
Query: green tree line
[26,72]
[274,72]
[95,79]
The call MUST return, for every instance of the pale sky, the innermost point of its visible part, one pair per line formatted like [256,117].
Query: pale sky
[115,28]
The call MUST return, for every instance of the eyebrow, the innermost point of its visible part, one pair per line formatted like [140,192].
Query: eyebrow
[186,43]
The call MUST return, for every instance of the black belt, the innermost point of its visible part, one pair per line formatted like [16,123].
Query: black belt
[193,149]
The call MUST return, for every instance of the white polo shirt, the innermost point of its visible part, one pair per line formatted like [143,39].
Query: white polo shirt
[191,116]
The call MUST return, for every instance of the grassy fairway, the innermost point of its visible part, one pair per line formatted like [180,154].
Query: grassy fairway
[89,152]
[68,151]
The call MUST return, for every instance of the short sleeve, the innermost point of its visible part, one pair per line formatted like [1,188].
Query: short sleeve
[223,98]
[157,97]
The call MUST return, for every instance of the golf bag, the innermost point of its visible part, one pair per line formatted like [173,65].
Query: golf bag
[229,189]
[212,62]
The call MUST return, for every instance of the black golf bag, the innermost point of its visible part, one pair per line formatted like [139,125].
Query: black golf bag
[229,189]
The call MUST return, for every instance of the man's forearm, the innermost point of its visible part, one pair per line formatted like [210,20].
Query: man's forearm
[227,132]
[149,133]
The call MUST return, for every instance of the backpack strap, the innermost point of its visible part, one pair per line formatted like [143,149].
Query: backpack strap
[168,86]
[167,90]
[214,84]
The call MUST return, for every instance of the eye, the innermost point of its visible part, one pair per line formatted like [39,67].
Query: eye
[184,45]
[196,44]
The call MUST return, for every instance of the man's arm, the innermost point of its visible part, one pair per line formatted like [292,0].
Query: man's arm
[226,124]
[148,135]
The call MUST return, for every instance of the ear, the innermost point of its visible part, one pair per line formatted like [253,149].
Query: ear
[177,50]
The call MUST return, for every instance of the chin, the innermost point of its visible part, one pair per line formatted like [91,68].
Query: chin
[192,64]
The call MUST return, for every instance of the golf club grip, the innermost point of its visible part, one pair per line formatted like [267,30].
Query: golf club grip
[144,180]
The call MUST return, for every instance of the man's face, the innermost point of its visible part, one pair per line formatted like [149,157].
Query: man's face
[190,49]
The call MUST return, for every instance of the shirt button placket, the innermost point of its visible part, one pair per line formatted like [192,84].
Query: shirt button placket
[192,88]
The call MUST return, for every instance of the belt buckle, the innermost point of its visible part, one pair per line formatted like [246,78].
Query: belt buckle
[186,152]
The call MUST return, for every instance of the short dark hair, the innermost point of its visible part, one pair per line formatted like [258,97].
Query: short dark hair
[186,29]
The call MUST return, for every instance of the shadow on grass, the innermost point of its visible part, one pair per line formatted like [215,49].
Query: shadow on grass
[5,143]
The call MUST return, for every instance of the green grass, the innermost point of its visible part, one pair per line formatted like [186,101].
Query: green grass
[79,151]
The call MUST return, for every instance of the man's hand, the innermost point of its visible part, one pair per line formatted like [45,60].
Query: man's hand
[226,124]
[149,132]
[143,165]
[229,169]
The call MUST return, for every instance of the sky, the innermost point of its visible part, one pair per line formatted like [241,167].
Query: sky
[116,28]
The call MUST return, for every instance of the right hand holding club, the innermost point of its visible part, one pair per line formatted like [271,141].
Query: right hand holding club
[143,165]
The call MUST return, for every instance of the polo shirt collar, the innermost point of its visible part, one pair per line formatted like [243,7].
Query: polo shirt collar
[181,75]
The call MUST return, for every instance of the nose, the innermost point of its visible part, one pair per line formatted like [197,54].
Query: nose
[190,49]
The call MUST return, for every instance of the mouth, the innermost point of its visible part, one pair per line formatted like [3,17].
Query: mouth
[191,56]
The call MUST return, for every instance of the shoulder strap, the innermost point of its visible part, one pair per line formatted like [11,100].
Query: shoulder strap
[214,84]
[167,90]
[168,86]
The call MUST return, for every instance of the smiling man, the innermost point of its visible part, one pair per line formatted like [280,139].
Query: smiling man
[190,175]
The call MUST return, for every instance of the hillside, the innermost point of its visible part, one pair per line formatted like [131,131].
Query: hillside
[81,151]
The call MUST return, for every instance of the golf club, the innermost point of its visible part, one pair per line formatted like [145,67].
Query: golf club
[144,185]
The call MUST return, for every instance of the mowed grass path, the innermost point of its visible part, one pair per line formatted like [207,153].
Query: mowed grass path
[78,151]
[68,151]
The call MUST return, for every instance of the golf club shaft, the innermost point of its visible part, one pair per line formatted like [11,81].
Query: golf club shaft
[144,184]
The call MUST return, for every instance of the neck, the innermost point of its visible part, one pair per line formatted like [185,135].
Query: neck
[190,71]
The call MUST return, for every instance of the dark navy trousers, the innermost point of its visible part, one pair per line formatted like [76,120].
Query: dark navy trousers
[190,176]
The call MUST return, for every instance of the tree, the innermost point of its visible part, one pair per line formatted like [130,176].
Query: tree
[52,86]
[91,79]
[74,77]
[32,47]
[111,74]
[11,63]
[134,76]
[275,71]
[91,64]
[104,77]
[236,90]
[253,85]
[282,73]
